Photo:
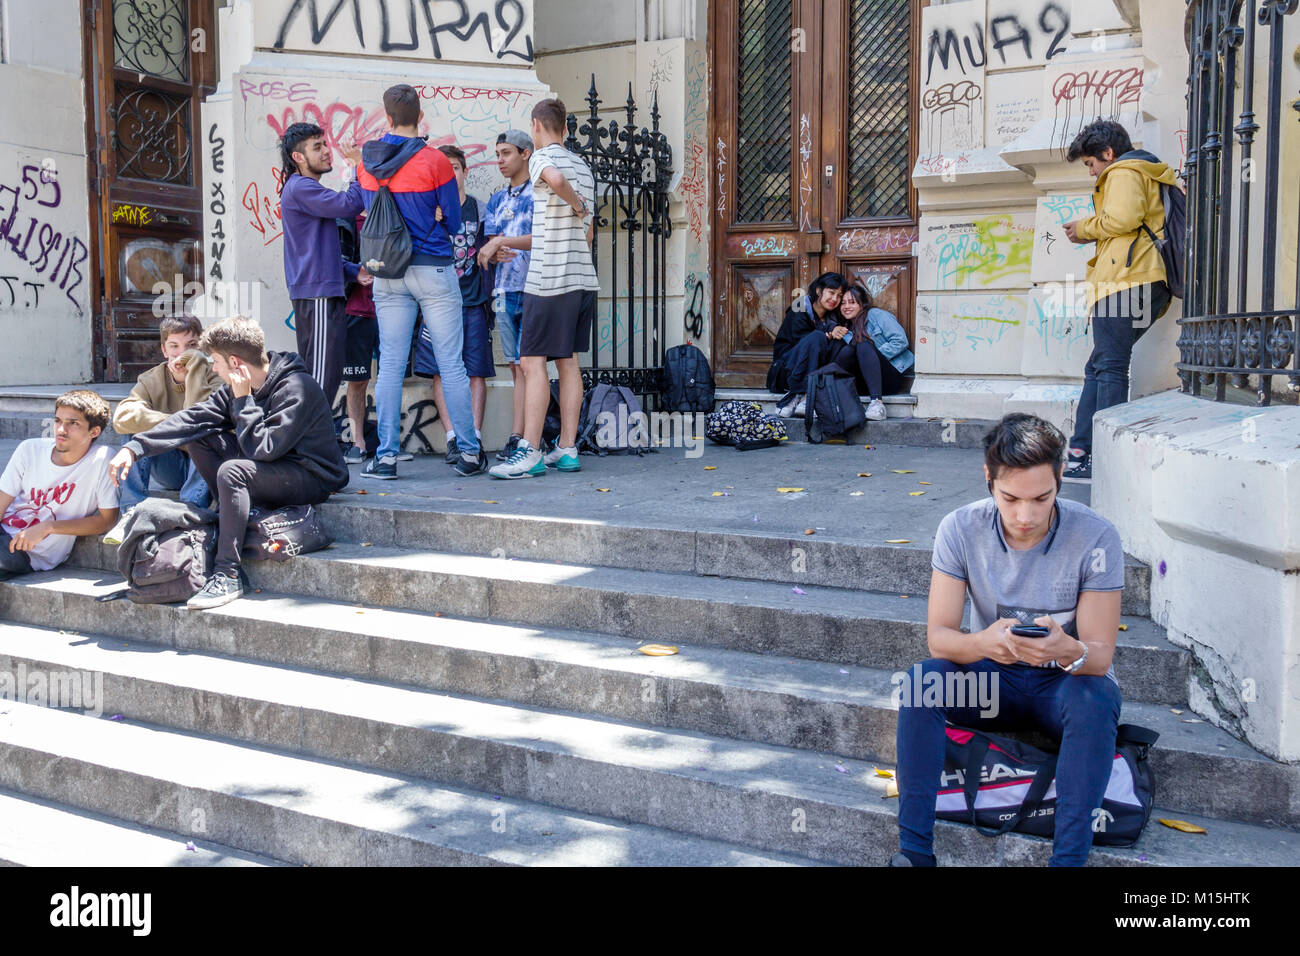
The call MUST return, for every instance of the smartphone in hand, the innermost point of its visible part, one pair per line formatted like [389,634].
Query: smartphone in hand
[1030,630]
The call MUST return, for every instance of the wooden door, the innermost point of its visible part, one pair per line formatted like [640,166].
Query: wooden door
[814,143]
[151,65]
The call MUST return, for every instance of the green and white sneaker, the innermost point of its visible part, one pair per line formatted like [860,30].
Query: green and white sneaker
[526,462]
[562,459]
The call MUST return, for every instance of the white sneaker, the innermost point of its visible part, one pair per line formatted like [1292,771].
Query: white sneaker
[117,534]
[526,462]
[794,409]
[876,410]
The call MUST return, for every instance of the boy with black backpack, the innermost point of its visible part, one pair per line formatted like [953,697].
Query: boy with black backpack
[1127,283]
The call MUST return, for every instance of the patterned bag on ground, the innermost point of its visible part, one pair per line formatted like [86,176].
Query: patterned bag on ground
[687,383]
[744,425]
[612,422]
[280,534]
[172,566]
[833,406]
[998,784]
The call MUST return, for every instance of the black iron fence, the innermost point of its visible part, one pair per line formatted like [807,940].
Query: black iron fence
[1236,326]
[632,168]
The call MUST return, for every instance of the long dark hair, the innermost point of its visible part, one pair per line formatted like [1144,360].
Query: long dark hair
[858,324]
[827,280]
[293,137]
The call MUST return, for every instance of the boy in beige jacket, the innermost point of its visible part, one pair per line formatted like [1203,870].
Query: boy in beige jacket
[182,379]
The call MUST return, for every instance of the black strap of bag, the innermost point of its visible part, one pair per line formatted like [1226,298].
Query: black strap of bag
[1033,799]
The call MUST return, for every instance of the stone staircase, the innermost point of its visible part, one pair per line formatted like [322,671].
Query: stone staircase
[446,686]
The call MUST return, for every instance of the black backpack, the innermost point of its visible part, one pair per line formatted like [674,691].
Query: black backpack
[687,381]
[833,406]
[279,534]
[551,424]
[612,406]
[1174,244]
[386,247]
[172,566]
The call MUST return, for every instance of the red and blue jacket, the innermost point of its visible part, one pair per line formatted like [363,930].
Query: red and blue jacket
[421,181]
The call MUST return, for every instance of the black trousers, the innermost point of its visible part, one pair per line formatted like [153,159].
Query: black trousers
[808,354]
[240,483]
[10,564]
[322,329]
[876,375]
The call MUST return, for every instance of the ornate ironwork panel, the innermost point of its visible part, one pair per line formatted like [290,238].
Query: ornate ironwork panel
[632,167]
[1234,329]
[879,173]
[764,129]
[152,36]
[152,135]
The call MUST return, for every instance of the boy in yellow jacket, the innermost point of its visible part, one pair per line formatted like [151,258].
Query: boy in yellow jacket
[182,379]
[1126,278]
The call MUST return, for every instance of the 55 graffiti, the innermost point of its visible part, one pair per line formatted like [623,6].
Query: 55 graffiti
[31,235]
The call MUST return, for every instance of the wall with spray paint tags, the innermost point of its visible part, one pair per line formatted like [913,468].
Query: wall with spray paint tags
[47,284]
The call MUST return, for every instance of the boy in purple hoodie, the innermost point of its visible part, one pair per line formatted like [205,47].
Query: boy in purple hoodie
[313,266]
[422,183]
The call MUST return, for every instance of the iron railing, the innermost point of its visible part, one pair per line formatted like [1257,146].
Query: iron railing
[1234,328]
[632,168]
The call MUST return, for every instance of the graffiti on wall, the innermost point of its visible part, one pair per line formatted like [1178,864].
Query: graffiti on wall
[986,252]
[36,251]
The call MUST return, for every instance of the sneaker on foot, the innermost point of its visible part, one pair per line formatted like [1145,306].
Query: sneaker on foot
[354,456]
[405,456]
[453,451]
[222,588]
[117,534]
[509,450]
[470,465]
[876,410]
[562,459]
[385,468]
[526,462]
[1079,469]
[794,409]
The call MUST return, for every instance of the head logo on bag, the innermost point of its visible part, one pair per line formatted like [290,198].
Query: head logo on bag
[386,248]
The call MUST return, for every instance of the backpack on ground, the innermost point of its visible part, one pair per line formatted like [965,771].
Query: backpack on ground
[386,247]
[279,534]
[1174,244]
[612,422]
[172,566]
[687,380]
[833,406]
[744,425]
[997,784]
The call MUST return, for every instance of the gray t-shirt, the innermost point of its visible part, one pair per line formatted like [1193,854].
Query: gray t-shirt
[1082,553]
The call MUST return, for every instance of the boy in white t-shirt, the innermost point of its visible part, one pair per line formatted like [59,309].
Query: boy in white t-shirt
[56,489]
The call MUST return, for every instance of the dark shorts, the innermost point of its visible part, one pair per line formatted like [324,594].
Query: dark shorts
[557,326]
[476,352]
[361,348]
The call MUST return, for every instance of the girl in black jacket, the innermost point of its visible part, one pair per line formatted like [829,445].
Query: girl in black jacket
[811,334]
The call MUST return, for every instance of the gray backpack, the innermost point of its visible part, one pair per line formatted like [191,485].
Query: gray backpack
[612,422]
[172,566]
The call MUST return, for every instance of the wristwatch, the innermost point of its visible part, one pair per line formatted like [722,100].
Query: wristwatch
[1071,668]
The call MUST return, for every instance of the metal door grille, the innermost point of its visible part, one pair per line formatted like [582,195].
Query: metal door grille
[878,132]
[764,131]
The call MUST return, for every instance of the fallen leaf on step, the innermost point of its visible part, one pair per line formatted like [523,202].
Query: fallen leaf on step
[1175,711]
[835,441]
[916,494]
[841,768]
[786,491]
[489,501]
[883,773]
[717,494]
[798,590]
[809,530]
[891,790]
[855,494]
[902,595]
[602,489]
[367,544]
[362,491]
[1193,720]
[898,541]
[923,482]
[1123,627]
[382,494]
[864,474]
[710,467]
[658,650]
[1183,825]
[868,447]
[902,471]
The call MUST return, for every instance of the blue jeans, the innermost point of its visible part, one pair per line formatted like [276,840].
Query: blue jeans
[1081,712]
[171,470]
[434,292]
[1118,321]
[508,307]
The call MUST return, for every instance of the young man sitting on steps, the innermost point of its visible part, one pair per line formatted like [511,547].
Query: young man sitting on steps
[1026,557]
[264,438]
[56,489]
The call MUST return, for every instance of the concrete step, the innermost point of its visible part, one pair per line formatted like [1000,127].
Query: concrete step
[316,812]
[21,425]
[585,764]
[789,702]
[868,629]
[36,832]
[397,521]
